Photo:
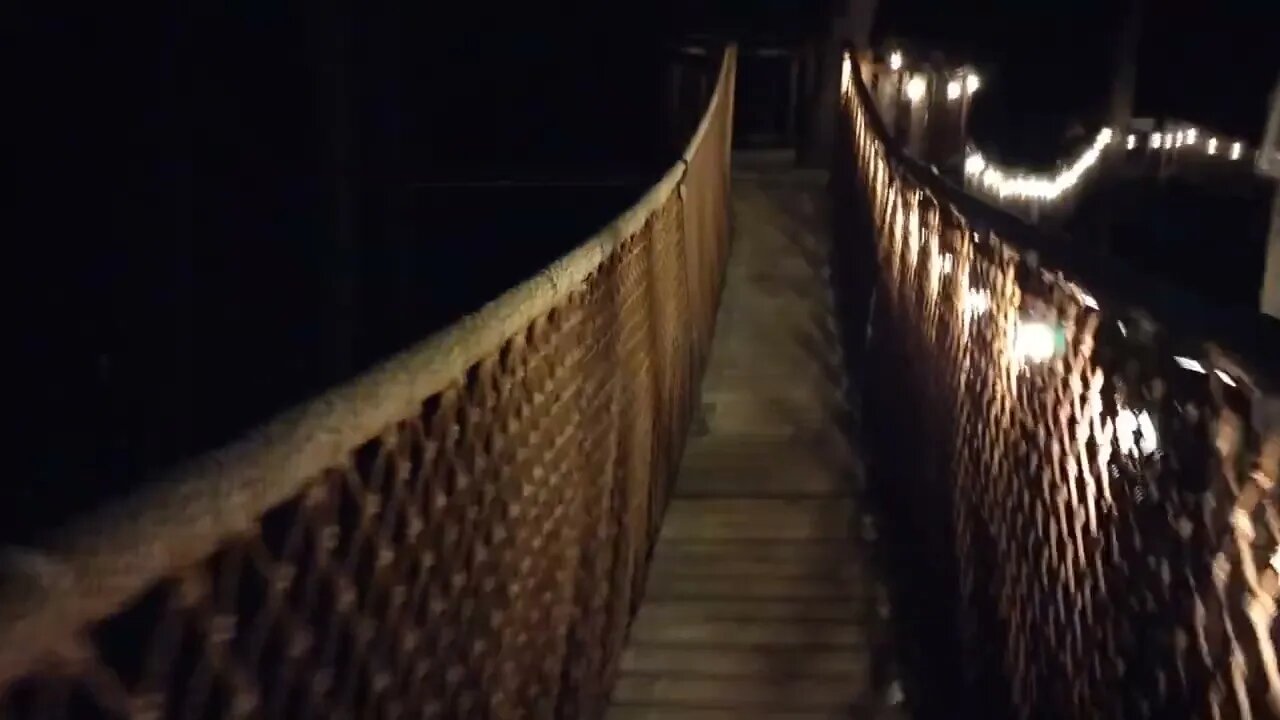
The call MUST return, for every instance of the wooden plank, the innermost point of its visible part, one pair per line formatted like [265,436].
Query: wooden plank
[670,712]
[846,663]
[735,518]
[781,693]
[808,551]
[665,611]
[832,567]
[751,633]
[765,467]
[763,587]
[757,600]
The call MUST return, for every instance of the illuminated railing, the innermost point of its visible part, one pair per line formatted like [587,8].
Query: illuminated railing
[1097,455]
[461,532]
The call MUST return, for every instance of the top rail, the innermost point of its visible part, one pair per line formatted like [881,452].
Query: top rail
[96,564]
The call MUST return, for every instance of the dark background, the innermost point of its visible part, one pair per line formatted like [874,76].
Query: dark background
[225,207]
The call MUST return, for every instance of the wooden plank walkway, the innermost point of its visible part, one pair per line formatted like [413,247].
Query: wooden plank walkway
[757,600]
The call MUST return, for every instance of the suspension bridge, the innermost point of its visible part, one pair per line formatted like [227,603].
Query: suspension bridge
[711,464]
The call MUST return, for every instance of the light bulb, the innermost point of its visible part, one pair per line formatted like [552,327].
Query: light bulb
[916,88]
[972,82]
[974,164]
[895,60]
[1131,142]
[1236,149]
[1155,140]
[953,90]
[976,302]
[1212,146]
[1034,341]
[1191,136]
[1191,364]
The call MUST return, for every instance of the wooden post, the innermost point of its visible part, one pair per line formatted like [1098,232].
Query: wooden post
[852,22]
[946,124]
[1270,294]
[887,93]
[918,112]
[1269,166]
[1124,82]
[793,96]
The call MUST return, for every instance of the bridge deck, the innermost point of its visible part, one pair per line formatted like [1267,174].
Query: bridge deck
[754,606]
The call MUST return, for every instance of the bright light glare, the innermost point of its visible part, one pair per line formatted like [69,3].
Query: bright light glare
[1236,149]
[916,88]
[1187,363]
[1212,146]
[974,164]
[1155,140]
[972,82]
[1225,378]
[895,60]
[1191,136]
[1136,433]
[976,302]
[1131,142]
[953,90]
[1178,139]
[1034,341]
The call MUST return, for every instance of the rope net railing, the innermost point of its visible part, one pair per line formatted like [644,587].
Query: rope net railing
[1097,461]
[461,532]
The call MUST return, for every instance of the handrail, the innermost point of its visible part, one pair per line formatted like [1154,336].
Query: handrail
[1094,456]
[95,565]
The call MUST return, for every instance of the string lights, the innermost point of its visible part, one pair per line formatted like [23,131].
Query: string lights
[1034,341]
[1186,138]
[1034,187]
[1047,186]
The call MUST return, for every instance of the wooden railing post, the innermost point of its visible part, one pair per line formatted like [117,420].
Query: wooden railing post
[1271,275]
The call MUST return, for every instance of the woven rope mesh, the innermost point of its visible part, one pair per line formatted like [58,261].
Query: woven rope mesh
[480,557]
[1110,490]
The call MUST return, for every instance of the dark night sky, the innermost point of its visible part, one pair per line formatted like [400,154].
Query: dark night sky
[183,166]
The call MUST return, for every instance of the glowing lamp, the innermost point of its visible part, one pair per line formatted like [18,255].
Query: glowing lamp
[916,88]
[974,164]
[1036,341]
